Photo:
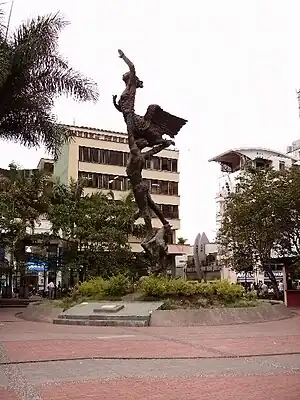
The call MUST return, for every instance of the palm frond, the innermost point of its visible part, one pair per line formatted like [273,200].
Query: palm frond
[3,26]
[35,53]
[32,75]
[33,127]
[41,34]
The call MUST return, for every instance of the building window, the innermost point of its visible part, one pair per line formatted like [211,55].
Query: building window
[48,168]
[156,163]
[166,164]
[115,182]
[120,158]
[164,187]
[174,165]
[173,188]
[281,165]
[169,210]
[95,155]
[155,186]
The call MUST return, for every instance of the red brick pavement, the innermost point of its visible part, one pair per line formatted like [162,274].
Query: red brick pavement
[253,346]
[7,394]
[274,387]
[9,314]
[70,349]
[35,350]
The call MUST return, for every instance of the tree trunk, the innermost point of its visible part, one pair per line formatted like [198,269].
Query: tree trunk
[273,281]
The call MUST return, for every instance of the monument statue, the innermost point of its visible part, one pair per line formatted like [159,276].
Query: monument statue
[146,132]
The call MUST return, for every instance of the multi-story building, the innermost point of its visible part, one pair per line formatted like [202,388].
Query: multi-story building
[100,156]
[232,162]
[294,150]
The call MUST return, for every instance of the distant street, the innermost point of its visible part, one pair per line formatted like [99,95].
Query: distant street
[40,361]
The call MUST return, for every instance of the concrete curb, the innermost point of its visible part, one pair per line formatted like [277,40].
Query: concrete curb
[40,312]
[43,312]
[221,316]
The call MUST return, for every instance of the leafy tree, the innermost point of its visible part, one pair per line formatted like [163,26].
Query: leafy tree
[23,200]
[289,241]
[252,223]
[32,75]
[94,229]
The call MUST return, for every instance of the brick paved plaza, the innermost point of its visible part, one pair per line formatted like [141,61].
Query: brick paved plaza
[40,361]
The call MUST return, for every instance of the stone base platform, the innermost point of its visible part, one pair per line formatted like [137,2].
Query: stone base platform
[136,313]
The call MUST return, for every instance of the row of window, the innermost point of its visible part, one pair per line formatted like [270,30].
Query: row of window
[115,182]
[169,210]
[113,157]
[100,136]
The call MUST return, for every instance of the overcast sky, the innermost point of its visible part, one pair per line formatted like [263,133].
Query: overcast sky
[230,67]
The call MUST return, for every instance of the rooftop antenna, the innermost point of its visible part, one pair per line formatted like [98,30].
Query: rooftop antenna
[9,18]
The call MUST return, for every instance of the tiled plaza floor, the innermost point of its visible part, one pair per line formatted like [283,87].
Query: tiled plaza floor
[40,361]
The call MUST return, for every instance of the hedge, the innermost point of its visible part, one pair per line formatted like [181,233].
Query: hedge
[98,288]
[161,287]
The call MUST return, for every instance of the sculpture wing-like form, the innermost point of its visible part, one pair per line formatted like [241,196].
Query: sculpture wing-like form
[166,123]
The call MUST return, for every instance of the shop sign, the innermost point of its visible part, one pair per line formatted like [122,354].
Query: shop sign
[245,275]
[277,274]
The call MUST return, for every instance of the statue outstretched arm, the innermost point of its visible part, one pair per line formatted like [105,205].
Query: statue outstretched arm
[156,149]
[130,65]
[115,103]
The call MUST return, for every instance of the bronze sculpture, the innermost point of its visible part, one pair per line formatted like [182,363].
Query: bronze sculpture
[156,122]
[145,132]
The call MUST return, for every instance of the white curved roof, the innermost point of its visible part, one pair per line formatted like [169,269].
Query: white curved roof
[242,150]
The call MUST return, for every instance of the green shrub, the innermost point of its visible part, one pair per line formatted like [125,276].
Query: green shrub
[180,287]
[92,288]
[227,292]
[116,286]
[98,288]
[206,290]
[250,296]
[153,286]
[161,287]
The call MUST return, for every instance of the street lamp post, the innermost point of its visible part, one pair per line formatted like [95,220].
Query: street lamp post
[9,18]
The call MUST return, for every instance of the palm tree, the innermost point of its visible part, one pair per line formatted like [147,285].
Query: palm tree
[181,240]
[32,75]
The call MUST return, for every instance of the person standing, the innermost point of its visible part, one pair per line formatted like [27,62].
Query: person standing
[264,289]
[51,288]
[281,289]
